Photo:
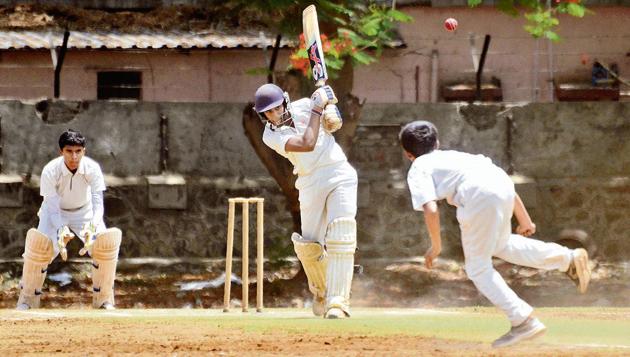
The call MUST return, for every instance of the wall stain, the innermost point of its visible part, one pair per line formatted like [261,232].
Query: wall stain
[482,117]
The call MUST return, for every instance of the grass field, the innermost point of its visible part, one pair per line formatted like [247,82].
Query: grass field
[292,332]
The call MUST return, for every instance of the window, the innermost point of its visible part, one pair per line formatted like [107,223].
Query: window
[119,85]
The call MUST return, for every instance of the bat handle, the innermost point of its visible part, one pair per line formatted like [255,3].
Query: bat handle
[320,83]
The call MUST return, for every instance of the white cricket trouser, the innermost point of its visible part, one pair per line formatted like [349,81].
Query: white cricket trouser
[485,222]
[329,192]
[75,220]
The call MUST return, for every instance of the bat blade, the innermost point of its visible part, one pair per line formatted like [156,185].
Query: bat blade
[314,45]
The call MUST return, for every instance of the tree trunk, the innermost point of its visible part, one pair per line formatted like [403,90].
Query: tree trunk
[349,106]
[350,109]
[279,167]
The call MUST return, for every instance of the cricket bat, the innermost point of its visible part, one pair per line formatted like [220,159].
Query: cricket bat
[314,45]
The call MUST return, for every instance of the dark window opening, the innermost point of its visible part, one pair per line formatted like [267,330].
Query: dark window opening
[119,85]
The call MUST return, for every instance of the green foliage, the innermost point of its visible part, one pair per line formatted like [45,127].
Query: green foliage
[258,71]
[357,31]
[541,20]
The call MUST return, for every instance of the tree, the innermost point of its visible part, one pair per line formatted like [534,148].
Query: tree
[541,18]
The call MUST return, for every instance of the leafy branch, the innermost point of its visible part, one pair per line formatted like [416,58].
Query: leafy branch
[541,20]
[359,33]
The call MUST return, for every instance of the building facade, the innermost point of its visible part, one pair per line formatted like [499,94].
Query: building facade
[211,67]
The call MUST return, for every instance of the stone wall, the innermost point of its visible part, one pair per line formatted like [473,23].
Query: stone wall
[570,163]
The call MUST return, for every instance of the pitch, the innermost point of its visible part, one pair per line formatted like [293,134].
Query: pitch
[295,332]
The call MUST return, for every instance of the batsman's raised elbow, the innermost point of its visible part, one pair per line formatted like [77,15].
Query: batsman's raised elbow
[309,143]
[309,147]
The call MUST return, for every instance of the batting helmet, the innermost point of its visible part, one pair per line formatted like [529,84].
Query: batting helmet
[268,96]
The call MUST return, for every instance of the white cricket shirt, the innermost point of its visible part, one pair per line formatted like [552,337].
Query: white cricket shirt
[75,190]
[326,151]
[440,175]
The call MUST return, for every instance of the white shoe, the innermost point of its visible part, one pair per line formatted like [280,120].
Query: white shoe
[23,307]
[335,313]
[107,306]
[579,270]
[319,306]
[529,329]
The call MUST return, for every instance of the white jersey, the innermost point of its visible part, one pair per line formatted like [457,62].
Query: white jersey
[326,151]
[75,190]
[445,175]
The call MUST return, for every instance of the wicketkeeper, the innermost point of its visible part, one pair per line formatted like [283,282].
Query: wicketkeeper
[301,131]
[72,186]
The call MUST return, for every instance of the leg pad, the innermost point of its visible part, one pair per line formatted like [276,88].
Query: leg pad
[38,252]
[105,257]
[314,261]
[341,244]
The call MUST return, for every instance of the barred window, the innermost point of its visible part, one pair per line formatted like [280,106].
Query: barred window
[119,85]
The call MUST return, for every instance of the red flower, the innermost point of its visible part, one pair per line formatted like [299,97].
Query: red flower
[325,43]
[299,63]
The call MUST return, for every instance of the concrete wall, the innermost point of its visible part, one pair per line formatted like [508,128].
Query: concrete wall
[573,157]
[524,65]
[205,139]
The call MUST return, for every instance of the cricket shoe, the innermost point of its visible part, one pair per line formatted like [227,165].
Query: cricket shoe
[23,307]
[579,270]
[336,313]
[107,306]
[529,329]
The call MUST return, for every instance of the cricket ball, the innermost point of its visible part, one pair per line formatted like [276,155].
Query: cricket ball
[450,24]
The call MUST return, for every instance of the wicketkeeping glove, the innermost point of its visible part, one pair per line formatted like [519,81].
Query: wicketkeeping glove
[64,235]
[88,233]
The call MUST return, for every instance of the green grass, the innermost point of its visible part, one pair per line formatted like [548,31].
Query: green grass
[566,326]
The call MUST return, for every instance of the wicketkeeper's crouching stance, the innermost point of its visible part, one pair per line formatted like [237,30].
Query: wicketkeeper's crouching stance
[72,186]
[327,186]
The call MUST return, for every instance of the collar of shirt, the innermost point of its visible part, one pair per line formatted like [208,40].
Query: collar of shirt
[80,170]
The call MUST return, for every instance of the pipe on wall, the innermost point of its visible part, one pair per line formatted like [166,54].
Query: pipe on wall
[434,76]
[550,84]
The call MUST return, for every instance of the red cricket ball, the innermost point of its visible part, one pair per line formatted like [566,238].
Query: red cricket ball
[450,24]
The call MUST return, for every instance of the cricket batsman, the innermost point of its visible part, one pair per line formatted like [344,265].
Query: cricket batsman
[302,132]
[72,187]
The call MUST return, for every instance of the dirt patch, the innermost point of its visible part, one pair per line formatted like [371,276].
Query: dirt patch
[179,283]
[77,336]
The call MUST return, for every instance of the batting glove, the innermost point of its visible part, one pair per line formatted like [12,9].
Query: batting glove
[322,96]
[332,118]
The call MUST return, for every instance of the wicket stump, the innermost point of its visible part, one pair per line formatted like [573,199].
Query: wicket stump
[245,259]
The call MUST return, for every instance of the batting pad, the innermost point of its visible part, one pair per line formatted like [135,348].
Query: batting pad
[341,243]
[38,252]
[105,257]
[314,261]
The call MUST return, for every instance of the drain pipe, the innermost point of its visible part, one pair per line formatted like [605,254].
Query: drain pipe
[535,89]
[1,147]
[434,76]
[482,61]
[59,63]
[550,55]
[163,143]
